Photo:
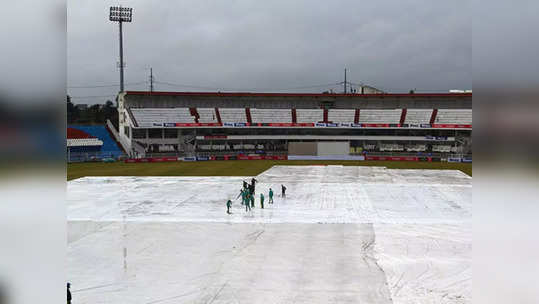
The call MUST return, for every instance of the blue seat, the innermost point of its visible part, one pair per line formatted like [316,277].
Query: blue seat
[109,148]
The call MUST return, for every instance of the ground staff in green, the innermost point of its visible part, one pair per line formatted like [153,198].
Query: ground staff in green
[247,206]
[228,204]
[244,198]
[242,194]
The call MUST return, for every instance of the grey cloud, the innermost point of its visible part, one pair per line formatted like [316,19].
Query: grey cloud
[395,45]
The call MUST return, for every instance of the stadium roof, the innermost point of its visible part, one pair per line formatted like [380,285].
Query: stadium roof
[249,94]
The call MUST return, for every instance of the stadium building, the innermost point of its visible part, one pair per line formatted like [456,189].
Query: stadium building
[216,125]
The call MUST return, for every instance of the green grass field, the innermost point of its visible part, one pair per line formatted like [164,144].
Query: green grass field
[233,168]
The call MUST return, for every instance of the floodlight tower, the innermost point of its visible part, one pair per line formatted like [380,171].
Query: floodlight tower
[121,14]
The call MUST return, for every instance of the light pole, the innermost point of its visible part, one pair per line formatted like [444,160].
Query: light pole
[121,14]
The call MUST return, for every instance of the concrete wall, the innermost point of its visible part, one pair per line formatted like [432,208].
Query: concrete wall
[319,148]
[302,148]
[326,148]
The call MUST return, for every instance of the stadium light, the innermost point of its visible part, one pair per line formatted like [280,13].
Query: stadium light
[121,14]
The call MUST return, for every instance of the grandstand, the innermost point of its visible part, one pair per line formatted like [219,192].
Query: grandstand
[215,124]
[147,117]
[207,115]
[271,115]
[342,116]
[233,115]
[86,143]
[310,115]
[459,116]
[380,116]
[418,116]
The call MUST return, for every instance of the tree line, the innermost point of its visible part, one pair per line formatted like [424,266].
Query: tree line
[96,114]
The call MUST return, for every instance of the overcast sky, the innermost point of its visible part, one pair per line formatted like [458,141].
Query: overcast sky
[277,45]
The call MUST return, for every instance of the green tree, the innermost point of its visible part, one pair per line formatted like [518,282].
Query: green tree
[95,114]
[72,112]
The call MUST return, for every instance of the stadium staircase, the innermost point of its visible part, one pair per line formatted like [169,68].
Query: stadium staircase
[194,113]
[132,117]
[325,115]
[248,115]
[433,116]
[112,131]
[218,115]
[403,116]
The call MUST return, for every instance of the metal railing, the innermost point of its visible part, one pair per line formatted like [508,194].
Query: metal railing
[93,156]
[415,154]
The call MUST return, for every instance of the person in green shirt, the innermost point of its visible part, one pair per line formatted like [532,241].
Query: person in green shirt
[271,196]
[262,200]
[252,200]
[247,206]
[228,204]
[242,194]
[246,196]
